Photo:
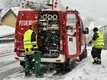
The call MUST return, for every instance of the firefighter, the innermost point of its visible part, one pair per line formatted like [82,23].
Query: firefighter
[31,51]
[97,43]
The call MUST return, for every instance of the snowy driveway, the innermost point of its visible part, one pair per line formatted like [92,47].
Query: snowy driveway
[85,70]
[8,64]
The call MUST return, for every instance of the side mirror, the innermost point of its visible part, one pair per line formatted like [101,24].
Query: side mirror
[86,31]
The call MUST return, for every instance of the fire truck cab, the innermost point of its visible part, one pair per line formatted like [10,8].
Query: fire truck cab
[61,35]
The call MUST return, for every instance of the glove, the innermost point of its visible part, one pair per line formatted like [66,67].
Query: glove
[89,43]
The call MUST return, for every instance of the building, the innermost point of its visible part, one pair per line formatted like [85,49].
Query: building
[9,17]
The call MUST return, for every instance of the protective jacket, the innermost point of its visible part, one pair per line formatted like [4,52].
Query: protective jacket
[98,40]
[30,42]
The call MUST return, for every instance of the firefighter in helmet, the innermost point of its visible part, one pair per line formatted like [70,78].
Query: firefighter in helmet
[97,43]
[31,51]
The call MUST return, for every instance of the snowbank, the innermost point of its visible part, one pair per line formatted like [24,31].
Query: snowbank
[6,30]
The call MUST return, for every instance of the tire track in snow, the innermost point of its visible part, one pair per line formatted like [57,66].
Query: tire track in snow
[6,60]
[9,70]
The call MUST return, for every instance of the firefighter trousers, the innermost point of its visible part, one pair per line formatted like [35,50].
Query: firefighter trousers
[96,53]
[37,61]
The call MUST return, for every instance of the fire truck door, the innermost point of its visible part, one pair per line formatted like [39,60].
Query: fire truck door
[71,29]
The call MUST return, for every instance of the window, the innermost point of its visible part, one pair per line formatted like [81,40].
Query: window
[71,20]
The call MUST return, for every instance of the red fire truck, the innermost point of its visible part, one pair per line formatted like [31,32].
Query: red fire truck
[61,35]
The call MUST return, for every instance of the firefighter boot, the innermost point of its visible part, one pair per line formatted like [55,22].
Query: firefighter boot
[39,74]
[99,61]
[95,62]
[27,74]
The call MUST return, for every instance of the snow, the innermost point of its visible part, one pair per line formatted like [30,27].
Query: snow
[15,10]
[92,8]
[4,49]
[85,70]
[6,30]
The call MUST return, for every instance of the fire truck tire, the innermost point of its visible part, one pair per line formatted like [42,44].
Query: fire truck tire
[83,55]
[69,65]
[59,67]
[65,66]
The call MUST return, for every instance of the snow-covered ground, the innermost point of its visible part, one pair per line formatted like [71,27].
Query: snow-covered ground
[85,70]
[6,30]
[8,64]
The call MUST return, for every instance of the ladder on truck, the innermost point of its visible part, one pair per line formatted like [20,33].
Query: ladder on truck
[47,5]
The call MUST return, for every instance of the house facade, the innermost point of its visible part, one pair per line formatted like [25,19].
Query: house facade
[9,17]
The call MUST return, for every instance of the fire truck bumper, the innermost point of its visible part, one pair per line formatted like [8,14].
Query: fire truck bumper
[60,59]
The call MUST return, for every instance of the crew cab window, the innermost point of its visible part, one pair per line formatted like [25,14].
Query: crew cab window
[71,21]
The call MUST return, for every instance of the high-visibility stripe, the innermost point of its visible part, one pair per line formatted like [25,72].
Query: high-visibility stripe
[95,58]
[29,46]
[99,42]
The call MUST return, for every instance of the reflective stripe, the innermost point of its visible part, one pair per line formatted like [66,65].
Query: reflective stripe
[95,58]
[26,40]
[99,42]
[99,59]
[29,46]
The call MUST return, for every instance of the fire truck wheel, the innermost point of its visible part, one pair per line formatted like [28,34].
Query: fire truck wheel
[83,55]
[70,65]
[59,67]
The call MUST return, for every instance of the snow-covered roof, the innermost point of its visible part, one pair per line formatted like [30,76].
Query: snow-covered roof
[15,10]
